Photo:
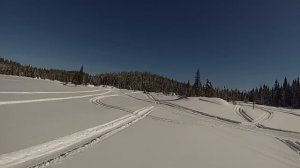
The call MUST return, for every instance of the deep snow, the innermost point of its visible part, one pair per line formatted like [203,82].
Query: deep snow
[41,121]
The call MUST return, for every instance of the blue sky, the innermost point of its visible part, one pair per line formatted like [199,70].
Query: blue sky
[237,43]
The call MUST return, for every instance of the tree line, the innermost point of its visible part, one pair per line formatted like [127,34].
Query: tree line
[145,81]
[286,95]
[9,67]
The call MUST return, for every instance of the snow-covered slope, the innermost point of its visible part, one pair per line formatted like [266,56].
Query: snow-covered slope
[44,123]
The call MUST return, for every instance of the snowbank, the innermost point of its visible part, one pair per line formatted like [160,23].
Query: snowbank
[215,100]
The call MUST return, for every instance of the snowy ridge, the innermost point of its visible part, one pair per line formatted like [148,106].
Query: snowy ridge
[37,154]
[214,100]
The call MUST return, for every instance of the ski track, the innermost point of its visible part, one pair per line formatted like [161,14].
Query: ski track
[128,94]
[99,102]
[88,91]
[284,111]
[272,110]
[267,115]
[295,146]
[192,111]
[36,155]
[224,120]
[46,153]
[244,116]
[52,99]
[264,117]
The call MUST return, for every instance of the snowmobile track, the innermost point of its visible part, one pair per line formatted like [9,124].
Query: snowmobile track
[198,112]
[48,152]
[99,102]
[295,146]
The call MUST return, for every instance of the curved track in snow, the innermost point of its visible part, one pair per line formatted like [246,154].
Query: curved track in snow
[50,151]
[86,91]
[179,107]
[294,145]
[264,117]
[99,102]
[53,99]
[241,113]
[284,112]
[267,115]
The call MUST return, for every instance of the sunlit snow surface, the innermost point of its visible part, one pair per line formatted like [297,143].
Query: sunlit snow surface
[45,123]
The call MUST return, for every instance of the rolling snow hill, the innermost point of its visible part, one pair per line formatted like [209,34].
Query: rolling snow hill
[47,124]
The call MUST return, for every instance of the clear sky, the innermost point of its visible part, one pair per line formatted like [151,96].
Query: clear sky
[237,43]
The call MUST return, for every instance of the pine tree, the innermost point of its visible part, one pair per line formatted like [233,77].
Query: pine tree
[81,76]
[278,95]
[197,84]
[276,99]
[208,90]
[188,89]
[78,77]
[284,92]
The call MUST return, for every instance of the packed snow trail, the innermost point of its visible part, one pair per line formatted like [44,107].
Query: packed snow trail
[128,94]
[295,146]
[283,111]
[265,116]
[48,151]
[185,109]
[52,99]
[88,91]
[241,113]
[153,100]
[99,102]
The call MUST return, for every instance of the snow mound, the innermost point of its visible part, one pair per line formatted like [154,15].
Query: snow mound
[89,85]
[214,100]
